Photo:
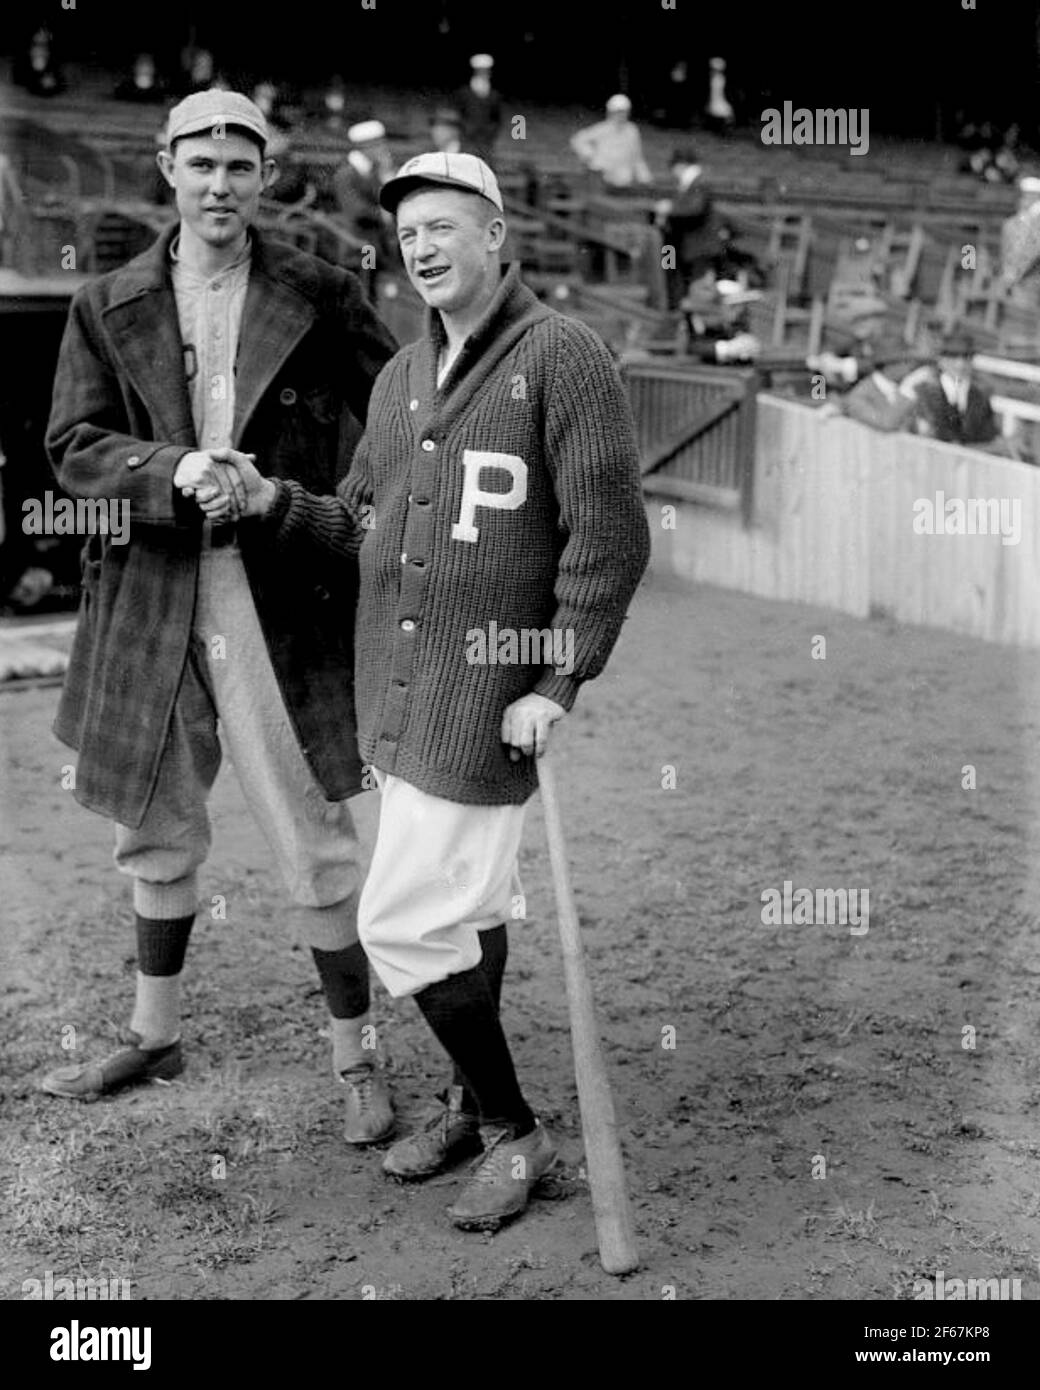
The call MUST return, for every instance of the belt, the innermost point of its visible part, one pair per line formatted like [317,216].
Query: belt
[226,534]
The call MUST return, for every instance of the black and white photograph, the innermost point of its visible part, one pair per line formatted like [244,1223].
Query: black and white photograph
[520,668]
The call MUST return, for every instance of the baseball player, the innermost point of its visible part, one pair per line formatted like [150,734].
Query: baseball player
[496,491]
[192,638]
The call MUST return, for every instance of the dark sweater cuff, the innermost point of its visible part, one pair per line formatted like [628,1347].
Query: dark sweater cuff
[562,689]
[275,514]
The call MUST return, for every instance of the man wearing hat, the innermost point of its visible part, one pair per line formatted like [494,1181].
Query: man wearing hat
[612,148]
[356,185]
[194,640]
[876,399]
[500,476]
[950,405]
[480,109]
[687,225]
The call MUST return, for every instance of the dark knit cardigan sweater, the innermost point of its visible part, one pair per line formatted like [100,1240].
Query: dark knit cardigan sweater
[531,384]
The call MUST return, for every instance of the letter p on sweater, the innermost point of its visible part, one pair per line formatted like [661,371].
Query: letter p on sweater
[473,496]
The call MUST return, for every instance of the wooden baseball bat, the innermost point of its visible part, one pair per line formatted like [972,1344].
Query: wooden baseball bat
[610,1205]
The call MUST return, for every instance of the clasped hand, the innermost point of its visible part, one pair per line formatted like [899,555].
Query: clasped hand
[224,483]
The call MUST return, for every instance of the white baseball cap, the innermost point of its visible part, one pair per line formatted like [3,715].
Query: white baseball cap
[619,103]
[213,110]
[441,170]
[482,60]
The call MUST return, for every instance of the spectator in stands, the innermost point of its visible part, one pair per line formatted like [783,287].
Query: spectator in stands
[717,323]
[198,70]
[950,405]
[357,182]
[39,72]
[480,108]
[1020,235]
[613,149]
[876,399]
[334,103]
[143,84]
[719,113]
[732,263]
[687,225]
[446,130]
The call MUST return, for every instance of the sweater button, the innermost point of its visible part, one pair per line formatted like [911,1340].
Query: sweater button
[428,445]
[413,405]
[407,625]
[404,558]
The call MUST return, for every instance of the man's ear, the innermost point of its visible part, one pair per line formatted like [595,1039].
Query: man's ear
[269,173]
[496,231]
[165,162]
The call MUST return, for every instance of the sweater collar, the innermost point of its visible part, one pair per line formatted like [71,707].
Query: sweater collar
[512,310]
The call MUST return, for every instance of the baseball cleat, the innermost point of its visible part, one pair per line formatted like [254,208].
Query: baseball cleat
[127,1067]
[503,1178]
[370,1116]
[448,1137]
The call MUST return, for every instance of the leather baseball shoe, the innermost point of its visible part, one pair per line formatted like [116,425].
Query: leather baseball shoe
[130,1065]
[370,1116]
[446,1139]
[503,1178]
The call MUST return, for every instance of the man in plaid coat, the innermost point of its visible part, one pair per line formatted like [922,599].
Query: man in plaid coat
[214,338]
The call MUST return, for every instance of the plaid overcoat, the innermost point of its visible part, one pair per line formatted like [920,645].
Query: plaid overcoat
[310,348]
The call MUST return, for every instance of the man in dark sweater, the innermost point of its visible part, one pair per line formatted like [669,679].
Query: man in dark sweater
[497,495]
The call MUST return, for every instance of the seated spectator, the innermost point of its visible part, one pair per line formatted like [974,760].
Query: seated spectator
[732,263]
[876,399]
[716,313]
[1020,235]
[613,149]
[687,225]
[143,84]
[949,405]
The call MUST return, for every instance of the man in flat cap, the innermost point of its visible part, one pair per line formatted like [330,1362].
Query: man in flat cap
[950,404]
[193,639]
[500,478]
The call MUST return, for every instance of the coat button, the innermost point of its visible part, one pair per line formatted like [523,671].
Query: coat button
[133,461]
[407,625]
[429,445]
[287,396]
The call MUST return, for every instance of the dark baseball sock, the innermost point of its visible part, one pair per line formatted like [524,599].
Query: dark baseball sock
[461,1011]
[344,978]
[494,945]
[162,944]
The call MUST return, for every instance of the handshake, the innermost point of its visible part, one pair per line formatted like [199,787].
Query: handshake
[224,483]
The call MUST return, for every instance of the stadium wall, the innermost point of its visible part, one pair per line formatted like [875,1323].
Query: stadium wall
[833,524]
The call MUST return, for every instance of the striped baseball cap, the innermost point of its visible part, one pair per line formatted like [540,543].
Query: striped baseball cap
[441,170]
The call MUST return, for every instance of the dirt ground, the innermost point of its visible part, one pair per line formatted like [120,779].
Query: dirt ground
[791,1043]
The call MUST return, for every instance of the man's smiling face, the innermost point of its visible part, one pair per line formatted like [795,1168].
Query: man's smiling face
[448,239]
[217,183]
